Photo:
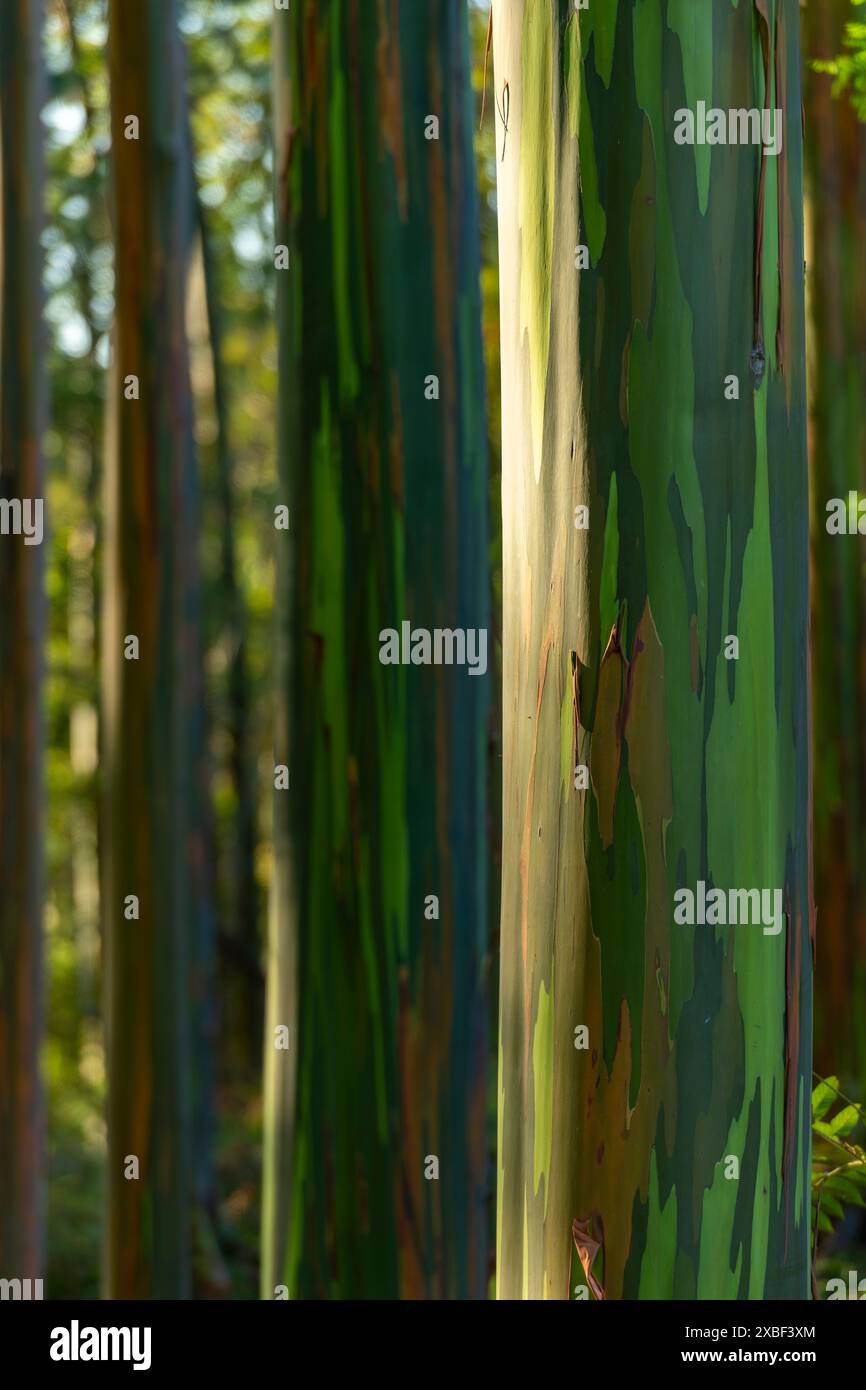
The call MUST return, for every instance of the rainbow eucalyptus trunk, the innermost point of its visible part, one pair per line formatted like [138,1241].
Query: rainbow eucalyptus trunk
[155,835]
[378,952]
[836,168]
[654,1074]
[22,492]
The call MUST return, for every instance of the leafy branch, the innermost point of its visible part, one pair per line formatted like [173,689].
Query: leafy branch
[835,1184]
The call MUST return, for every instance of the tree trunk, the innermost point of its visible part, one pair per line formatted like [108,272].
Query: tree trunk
[620,1146]
[384,1001]
[155,830]
[836,170]
[22,630]
[243,994]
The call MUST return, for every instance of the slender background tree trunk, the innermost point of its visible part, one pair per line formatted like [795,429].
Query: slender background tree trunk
[614,1158]
[155,837]
[22,626]
[385,1006]
[837,300]
[241,938]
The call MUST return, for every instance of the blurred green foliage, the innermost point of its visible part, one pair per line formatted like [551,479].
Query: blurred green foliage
[838,1181]
[849,68]
[838,1162]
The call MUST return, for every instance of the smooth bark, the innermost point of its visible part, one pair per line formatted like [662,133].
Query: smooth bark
[614,1170]
[386,1006]
[155,835]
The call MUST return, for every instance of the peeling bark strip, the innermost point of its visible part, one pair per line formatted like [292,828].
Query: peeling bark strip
[22,422]
[386,1008]
[613,1155]
[587,1249]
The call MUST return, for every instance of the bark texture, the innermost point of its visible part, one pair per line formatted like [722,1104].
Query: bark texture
[385,1006]
[614,1172]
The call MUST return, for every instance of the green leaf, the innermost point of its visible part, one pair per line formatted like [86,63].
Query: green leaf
[842,1124]
[823,1097]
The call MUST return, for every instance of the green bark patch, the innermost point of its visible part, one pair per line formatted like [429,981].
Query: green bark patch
[537,194]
